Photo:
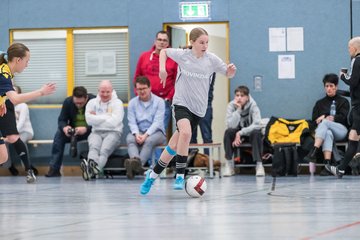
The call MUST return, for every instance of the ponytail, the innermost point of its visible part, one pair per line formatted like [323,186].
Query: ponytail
[3,58]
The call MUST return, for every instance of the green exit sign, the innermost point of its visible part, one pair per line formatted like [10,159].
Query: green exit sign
[191,10]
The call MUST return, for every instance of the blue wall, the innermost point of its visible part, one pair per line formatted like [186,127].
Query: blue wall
[326,33]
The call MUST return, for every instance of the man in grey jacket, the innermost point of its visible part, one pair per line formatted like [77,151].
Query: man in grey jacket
[243,125]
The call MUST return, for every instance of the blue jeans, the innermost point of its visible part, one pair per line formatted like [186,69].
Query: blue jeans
[58,147]
[205,128]
[167,114]
[329,132]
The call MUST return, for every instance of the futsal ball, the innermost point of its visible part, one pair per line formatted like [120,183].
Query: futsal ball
[195,186]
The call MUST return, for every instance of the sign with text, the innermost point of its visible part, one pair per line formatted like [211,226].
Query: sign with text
[194,10]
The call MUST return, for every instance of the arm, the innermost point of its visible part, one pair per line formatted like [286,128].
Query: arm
[255,124]
[162,67]
[134,129]
[342,111]
[230,70]
[16,98]
[116,115]
[354,79]
[158,122]
[232,116]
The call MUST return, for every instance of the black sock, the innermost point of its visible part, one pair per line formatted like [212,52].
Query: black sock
[21,150]
[350,152]
[159,167]
[358,148]
[181,164]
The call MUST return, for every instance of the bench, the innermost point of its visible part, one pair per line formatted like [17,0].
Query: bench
[248,145]
[212,148]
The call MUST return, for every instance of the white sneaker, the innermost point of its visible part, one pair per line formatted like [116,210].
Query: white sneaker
[228,170]
[260,171]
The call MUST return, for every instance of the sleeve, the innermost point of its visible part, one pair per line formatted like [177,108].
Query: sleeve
[64,116]
[115,118]
[354,78]
[175,53]
[132,117]
[6,85]
[23,113]
[158,123]
[91,119]
[255,124]
[316,111]
[218,64]
[342,111]
[232,116]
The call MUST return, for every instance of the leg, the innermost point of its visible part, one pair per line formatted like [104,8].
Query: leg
[3,151]
[151,141]
[133,148]
[205,127]
[110,142]
[57,151]
[257,149]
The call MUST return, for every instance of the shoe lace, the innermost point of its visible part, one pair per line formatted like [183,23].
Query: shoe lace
[179,180]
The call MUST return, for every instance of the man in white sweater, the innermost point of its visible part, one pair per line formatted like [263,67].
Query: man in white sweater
[105,114]
[243,125]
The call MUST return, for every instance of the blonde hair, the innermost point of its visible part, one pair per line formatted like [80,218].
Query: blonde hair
[355,42]
[195,33]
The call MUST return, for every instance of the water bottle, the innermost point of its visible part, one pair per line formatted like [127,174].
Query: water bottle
[333,108]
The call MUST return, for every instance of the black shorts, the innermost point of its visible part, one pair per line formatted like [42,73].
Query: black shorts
[1,139]
[180,112]
[355,119]
[8,121]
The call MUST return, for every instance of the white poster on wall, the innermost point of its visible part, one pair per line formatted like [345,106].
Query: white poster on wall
[277,39]
[286,66]
[295,39]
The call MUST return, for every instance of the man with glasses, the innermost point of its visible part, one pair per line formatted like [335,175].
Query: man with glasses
[72,127]
[145,118]
[148,65]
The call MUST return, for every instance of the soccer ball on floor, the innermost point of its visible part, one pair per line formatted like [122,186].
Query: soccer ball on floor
[195,186]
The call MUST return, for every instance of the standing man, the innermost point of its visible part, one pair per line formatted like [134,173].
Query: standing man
[71,124]
[148,66]
[146,123]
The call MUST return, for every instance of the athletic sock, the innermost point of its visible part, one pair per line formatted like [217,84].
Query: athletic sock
[21,150]
[181,164]
[349,154]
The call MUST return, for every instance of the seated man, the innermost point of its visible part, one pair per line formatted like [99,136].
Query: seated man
[243,120]
[146,114]
[105,114]
[71,126]
[331,126]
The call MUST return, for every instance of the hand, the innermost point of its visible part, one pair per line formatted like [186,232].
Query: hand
[237,141]
[231,70]
[237,104]
[319,119]
[48,89]
[163,75]
[66,129]
[2,110]
[93,112]
[330,118]
[80,131]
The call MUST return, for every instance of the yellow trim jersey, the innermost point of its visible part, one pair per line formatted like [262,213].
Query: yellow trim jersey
[5,82]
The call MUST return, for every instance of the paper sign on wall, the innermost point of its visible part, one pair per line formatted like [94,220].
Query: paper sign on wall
[286,66]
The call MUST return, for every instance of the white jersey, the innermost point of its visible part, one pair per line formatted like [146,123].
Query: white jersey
[194,77]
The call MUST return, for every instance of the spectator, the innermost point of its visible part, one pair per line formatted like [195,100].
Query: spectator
[24,127]
[148,66]
[330,128]
[105,114]
[72,127]
[146,126]
[243,125]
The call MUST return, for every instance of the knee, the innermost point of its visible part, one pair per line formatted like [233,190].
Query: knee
[184,133]
[329,134]
[12,138]
[130,138]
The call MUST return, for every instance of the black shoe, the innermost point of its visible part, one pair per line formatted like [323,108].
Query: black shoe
[53,173]
[73,146]
[30,177]
[94,168]
[311,157]
[129,169]
[13,170]
[335,170]
[36,172]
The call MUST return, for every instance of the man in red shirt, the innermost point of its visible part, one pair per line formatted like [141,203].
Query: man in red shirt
[148,65]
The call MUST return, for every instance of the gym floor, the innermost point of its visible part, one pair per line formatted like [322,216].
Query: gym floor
[239,207]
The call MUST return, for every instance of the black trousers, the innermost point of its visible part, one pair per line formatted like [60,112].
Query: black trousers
[255,139]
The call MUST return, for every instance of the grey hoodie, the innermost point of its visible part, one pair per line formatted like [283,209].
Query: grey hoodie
[248,118]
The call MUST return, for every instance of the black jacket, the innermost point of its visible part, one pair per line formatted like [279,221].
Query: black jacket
[354,82]
[69,111]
